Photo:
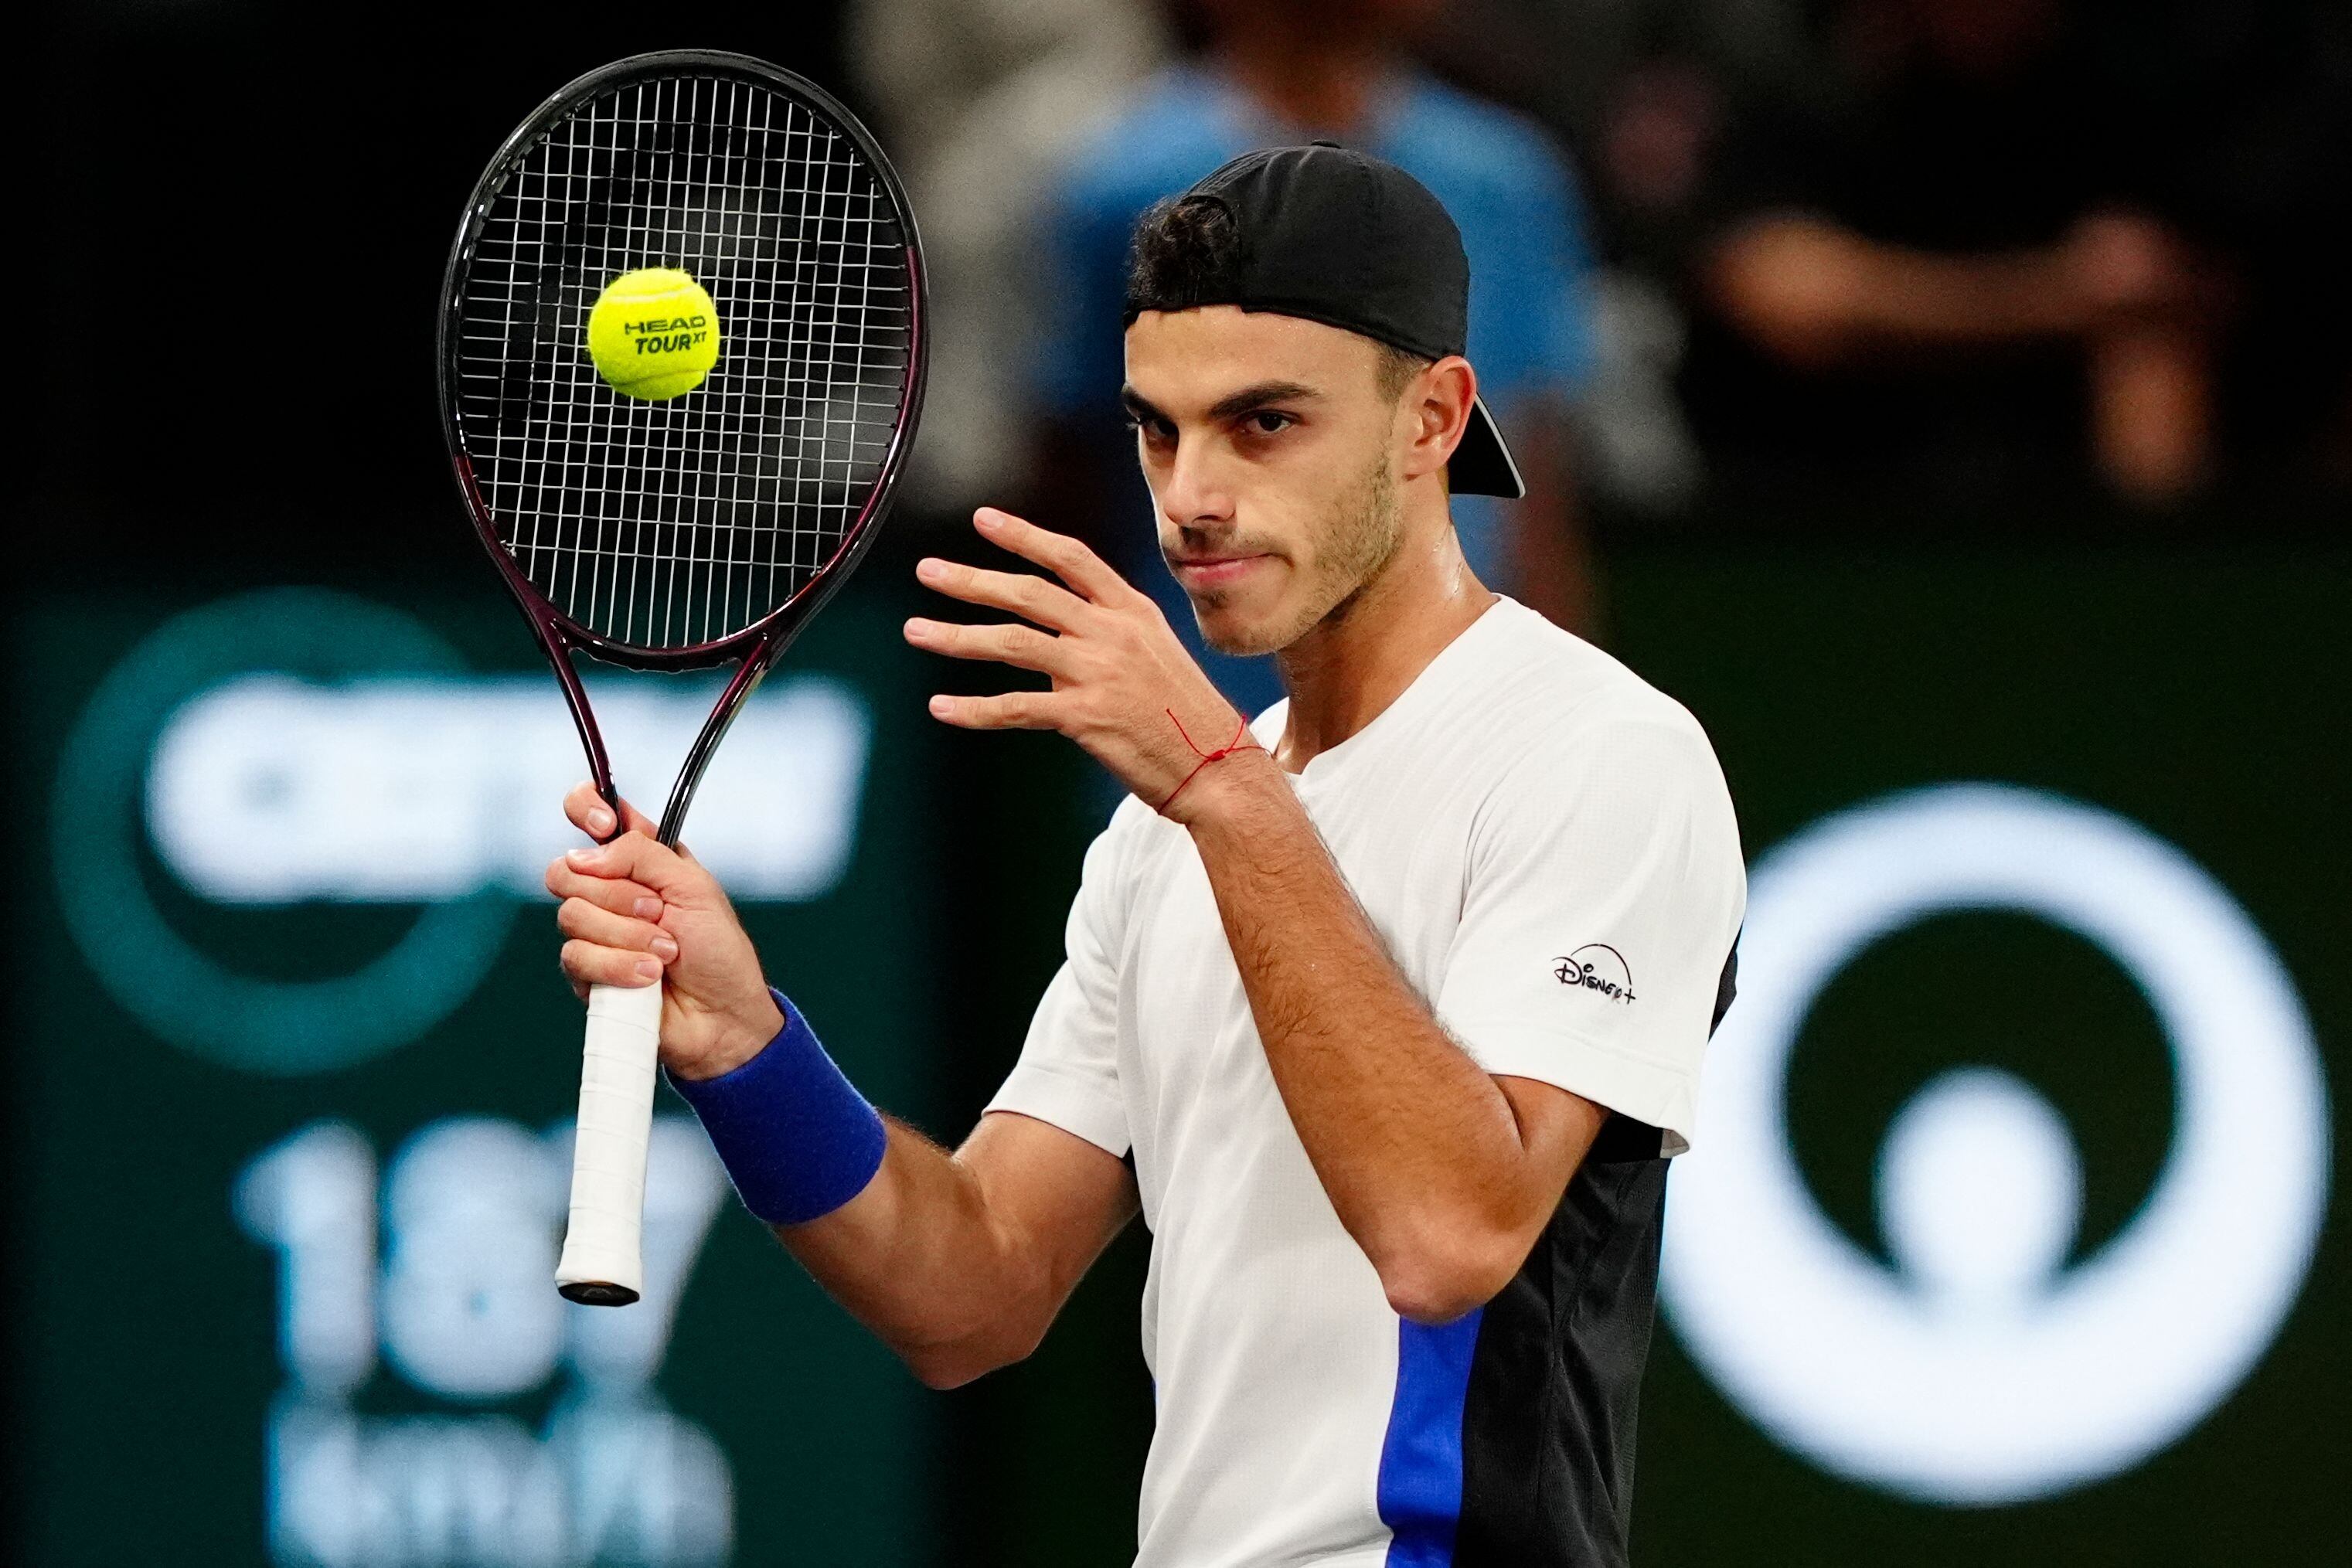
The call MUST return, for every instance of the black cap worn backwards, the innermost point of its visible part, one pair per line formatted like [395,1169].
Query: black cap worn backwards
[1334,235]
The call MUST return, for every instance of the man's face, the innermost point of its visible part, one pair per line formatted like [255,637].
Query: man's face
[1272,453]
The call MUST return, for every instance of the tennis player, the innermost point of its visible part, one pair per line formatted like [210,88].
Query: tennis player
[1387,1010]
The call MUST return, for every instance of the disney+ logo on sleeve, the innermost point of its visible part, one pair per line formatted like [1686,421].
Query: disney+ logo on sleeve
[1597,966]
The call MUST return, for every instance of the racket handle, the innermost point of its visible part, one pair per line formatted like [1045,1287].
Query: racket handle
[602,1263]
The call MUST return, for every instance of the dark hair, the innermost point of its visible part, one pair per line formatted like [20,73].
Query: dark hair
[1186,252]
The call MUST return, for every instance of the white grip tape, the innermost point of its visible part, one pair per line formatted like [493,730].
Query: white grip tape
[601,1245]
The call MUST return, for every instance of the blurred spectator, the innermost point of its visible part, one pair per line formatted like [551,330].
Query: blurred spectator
[1643,89]
[2110,202]
[1278,71]
[1965,241]
[983,102]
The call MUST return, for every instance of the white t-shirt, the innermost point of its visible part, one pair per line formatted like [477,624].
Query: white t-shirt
[1546,845]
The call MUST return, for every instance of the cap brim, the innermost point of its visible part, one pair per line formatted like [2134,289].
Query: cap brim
[1481,464]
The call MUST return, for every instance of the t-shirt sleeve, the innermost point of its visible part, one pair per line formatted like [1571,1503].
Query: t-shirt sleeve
[1068,1071]
[1604,895]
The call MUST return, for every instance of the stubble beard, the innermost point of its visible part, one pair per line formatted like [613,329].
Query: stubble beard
[1360,536]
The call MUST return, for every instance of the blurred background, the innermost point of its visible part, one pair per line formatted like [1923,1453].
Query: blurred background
[1950,401]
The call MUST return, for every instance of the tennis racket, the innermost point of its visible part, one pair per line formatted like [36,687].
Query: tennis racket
[697,532]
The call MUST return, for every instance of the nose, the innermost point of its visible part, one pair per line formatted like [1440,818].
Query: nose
[1192,492]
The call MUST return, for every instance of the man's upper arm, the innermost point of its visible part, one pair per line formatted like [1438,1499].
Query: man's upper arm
[1605,891]
[1048,1159]
[1557,1127]
[1056,1197]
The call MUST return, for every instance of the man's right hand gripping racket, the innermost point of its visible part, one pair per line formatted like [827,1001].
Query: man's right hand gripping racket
[685,529]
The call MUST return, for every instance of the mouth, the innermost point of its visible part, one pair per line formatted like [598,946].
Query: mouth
[1202,572]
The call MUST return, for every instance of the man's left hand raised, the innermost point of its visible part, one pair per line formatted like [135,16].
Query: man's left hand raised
[1123,686]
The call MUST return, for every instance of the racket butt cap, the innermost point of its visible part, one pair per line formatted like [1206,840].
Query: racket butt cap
[591,1293]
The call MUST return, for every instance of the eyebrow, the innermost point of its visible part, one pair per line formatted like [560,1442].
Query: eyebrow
[1232,405]
[1249,400]
[1137,407]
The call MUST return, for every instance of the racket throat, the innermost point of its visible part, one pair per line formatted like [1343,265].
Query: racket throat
[747,679]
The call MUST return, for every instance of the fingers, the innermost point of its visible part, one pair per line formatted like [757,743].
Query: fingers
[618,894]
[586,964]
[1024,647]
[1063,556]
[635,856]
[1024,594]
[1012,710]
[589,814]
[593,923]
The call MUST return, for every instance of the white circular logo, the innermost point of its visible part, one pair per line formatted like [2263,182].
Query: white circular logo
[1982,1373]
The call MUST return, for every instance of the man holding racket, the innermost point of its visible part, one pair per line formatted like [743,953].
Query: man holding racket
[1387,1010]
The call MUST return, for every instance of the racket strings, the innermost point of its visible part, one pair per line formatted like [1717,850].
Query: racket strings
[671,524]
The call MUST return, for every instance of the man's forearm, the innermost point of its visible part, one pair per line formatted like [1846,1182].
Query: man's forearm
[913,1257]
[944,1269]
[1419,1148]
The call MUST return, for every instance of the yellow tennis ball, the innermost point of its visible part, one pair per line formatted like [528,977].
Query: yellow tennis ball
[654,333]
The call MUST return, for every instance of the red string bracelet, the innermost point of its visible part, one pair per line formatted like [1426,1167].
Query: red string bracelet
[1236,744]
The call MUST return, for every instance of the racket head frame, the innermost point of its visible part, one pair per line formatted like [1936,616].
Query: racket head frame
[755,647]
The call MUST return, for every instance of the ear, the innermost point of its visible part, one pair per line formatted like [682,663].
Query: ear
[1434,412]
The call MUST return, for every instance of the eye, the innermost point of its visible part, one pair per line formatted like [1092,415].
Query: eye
[1269,422]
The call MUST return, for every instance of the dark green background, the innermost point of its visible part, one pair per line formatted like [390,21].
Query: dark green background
[2203,692]
[151,1317]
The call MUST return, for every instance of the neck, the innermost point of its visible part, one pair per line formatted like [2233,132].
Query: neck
[1346,670]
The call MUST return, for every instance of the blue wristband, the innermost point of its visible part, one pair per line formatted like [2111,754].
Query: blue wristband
[796,1138]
